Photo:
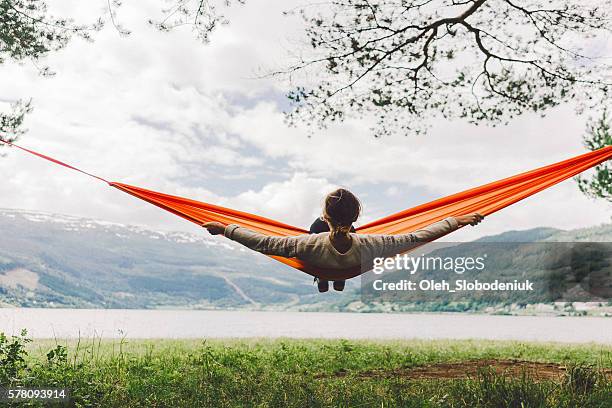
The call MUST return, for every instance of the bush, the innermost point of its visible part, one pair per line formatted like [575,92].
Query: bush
[13,357]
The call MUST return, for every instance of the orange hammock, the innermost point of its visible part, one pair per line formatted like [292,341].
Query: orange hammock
[485,200]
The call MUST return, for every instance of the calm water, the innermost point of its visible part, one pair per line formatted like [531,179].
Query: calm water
[71,323]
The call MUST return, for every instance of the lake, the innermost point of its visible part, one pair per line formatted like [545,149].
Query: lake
[109,323]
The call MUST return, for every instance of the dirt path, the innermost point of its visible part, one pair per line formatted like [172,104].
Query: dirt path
[239,291]
[471,368]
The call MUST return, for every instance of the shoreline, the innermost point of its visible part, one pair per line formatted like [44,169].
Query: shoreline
[193,324]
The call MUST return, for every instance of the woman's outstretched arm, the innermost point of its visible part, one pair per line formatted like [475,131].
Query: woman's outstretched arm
[279,246]
[441,228]
[390,245]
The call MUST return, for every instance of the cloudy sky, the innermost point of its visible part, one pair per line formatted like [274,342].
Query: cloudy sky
[163,111]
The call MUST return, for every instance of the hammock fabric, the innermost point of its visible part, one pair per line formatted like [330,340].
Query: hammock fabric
[485,200]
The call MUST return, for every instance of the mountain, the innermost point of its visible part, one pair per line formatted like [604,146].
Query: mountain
[530,235]
[56,260]
[49,260]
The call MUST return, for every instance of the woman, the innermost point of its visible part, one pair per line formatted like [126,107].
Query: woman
[339,248]
[318,226]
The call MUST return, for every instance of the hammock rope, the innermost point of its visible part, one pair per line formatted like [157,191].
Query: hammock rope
[486,199]
[51,159]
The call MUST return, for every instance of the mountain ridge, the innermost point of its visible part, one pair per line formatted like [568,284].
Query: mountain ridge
[56,260]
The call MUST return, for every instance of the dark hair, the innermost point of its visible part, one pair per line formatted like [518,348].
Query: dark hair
[341,208]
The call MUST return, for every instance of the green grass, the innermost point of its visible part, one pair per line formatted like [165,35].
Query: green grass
[298,373]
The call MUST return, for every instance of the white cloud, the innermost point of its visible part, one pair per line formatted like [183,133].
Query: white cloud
[392,191]
[297,201]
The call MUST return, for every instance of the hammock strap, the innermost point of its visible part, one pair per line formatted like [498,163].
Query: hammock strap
[51,159]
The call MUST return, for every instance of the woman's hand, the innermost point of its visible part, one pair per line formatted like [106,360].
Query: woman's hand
[214,228]
[471,219]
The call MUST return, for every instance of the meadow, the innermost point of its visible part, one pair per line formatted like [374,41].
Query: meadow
[311,373]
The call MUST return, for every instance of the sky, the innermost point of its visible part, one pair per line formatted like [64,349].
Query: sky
[166,112]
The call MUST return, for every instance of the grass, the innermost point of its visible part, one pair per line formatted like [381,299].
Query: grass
[299,373]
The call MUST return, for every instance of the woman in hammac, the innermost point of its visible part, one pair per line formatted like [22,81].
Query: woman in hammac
[332,243]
